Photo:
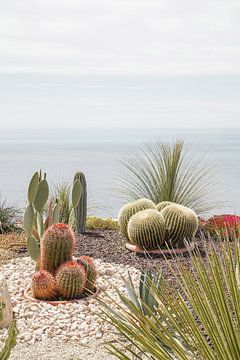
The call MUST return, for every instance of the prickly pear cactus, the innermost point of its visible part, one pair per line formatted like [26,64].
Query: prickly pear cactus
[147,229]
[181,224]
[57,247]
[128,210]
[71,279]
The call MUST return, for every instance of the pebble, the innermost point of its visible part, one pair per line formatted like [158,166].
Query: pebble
[40,322]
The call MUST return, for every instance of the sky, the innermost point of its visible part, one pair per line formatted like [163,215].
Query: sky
[119,63]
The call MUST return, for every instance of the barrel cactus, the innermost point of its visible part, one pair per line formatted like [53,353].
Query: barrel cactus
[71,279]
[57,247]
[147,229]
[128,210]
[163,204]
[181,224]
[43,285]
[91,272]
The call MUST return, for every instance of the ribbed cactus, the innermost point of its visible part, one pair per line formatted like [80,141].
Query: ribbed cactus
[147,229]
[80,210]
[91,272]
[71,279]
[181,224]
[163,204]
[43,285]
[57,246]
[128,210]
[10,342]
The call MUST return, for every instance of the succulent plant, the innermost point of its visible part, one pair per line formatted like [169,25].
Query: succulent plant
[71,279]
[80,210]
[181,224]
[147,229]
[130,209]
[10,341]
[57,246]
[43,285]
[91,272]
[160,206]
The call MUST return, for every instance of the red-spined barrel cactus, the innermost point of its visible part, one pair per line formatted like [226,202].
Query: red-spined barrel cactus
[57,247]
[43,285]
[71,279]
[91,272]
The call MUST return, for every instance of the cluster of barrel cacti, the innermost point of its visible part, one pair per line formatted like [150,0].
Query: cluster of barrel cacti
[153,226]
[34,222]
[61,276]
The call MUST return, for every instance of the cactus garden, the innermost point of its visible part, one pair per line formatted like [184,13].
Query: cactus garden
[73,282]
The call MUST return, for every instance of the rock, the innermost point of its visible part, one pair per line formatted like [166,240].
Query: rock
[6,312]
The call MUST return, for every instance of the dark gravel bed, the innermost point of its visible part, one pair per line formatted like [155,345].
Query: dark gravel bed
[109,246]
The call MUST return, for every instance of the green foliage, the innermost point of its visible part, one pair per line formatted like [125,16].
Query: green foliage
[128,210]
[197,316]
[8,217]
[147,229]
[10,342]
[94,223]
[163,171]
[81,208]
[62,192]
[181,224]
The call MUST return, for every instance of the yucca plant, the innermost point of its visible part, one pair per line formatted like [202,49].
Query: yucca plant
[198,313]
[62,192]
[165,171]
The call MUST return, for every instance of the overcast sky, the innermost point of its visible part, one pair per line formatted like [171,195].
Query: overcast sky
[146,63]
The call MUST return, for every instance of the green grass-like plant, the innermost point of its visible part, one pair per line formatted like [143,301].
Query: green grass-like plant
[165,171]
[198,313]
[8,217]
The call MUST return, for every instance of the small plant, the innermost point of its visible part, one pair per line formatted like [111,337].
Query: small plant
[130,209]
[71,279]
[57,247]
[91,272]
[43,285]
[10,342]
[8,217]
[147,229]
[218,224]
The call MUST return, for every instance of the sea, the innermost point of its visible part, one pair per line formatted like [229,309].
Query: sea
[98,153]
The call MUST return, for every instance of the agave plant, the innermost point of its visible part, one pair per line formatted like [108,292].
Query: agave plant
[10,342]
[164,171]
[198,314]
[143,299]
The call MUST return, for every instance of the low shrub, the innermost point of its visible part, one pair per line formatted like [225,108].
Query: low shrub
[9,215]
[95,223]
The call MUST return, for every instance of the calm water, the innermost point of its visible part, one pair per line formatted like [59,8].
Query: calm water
[97,152]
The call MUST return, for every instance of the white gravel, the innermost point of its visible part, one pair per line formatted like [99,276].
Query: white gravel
[72,329]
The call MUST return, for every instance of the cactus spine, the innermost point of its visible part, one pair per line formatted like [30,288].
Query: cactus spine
[43,285]
[163,204]
[181,224]
[10,341]
[91,272]
[71,278]
[80,210]
[147,229]
[128,210]
[57,246]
